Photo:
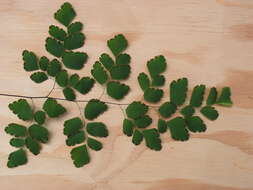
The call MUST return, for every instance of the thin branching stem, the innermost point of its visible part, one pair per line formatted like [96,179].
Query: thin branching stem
[63,99]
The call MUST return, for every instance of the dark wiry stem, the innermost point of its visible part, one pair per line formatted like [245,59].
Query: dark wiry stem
[44,97]
[51,90]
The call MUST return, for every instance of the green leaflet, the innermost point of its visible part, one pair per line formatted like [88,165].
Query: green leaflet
[72,126]
[57,33]
[167,109]
[74,60]
[209,112]
[99,74]
[17,158]
[84,85]
[80,156]
[137,137]
[157,65]
[75,139]
[65,14]
[38,77]
[120,72]
[225,97]
[43,63]
[39,133]
[143,122]
[73,79]
[162,126]
[74,41]
[30,61]
[69,93]
[16,130]
[144,81]
[187,111]
[17,142]
[158,80]
[94,144]
[75,27]
[177,129]
[211,99]
[178,91]
[52,108]
[123,59]
[128,127]
[117,44]
[54,47]
[94,108]
[32,145]
[54,68]
[40,117]
[152,138]
[22,109]
[117,90]
[97,129]
[195,124]
[197,95]
[153,95]
[136,110]
[106,60]
[62,78]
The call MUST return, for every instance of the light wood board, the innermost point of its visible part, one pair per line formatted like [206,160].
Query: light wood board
[208,41]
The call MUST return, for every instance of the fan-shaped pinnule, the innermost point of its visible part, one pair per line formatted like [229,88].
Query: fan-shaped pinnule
[94,108]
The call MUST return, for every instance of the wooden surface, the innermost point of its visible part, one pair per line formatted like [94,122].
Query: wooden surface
[210,42]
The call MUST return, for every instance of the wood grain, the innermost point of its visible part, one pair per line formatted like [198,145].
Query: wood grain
[209,42]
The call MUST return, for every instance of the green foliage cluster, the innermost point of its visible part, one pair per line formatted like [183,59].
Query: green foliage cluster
[36,133]
[179,127]
[136,123]
[60,44]
[110,71]
[78,132]
[149,85]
